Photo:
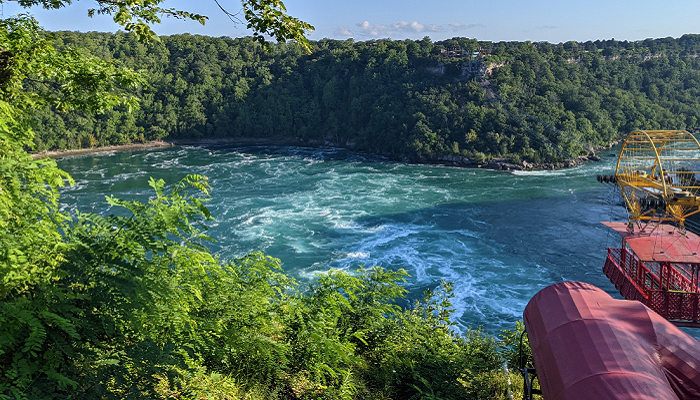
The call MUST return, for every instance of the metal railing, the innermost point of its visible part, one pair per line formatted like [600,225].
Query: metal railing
[670,289]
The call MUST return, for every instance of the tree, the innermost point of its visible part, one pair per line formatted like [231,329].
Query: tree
[33,73]
[264,17]
[73,317]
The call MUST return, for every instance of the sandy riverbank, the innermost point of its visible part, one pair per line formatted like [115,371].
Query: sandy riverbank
[118,147]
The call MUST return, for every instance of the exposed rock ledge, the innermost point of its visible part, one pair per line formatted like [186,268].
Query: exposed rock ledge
[505,164]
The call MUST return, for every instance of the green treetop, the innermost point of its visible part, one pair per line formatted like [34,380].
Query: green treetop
[264,17]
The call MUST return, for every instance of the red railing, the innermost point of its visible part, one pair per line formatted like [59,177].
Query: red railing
[669,289]
[682,306]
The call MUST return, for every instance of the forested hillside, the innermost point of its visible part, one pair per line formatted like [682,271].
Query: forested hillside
[404,99]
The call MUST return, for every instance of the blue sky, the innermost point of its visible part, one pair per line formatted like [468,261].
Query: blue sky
[495,20]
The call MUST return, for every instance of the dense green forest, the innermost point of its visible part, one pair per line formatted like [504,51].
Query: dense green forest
[404,99]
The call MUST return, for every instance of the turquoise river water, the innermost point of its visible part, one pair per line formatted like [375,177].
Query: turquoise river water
[500,236]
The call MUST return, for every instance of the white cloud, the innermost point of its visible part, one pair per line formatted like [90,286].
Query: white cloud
[434,28]
[462,27]
[373,30]
[343,31]
[377,30]
[403,26]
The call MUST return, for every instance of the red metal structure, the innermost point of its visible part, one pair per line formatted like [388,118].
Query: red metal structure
[659,268]
[658,175]
[588,346]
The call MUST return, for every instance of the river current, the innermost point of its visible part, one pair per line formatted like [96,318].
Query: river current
[500,236]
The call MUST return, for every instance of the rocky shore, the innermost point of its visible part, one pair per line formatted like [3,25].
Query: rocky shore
[506,164]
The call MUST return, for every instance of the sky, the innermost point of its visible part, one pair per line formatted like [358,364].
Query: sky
[493,20]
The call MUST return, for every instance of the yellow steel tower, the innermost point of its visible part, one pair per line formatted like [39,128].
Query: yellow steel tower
[658,173]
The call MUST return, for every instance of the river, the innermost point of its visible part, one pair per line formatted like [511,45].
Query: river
[500,236]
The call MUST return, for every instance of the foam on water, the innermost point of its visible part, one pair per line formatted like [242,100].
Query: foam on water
[538,173]
[359,255]
[499,236]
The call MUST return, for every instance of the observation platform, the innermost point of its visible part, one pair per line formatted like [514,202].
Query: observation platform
[659,267]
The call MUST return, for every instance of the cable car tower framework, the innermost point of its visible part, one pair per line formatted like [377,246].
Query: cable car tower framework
[656,173]
[658,262]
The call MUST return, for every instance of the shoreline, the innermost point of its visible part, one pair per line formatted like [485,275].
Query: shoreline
[90,150]
[445,160]
[55,154]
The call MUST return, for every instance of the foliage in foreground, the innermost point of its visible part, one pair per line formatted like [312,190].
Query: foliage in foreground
[263,17]
[137,307]
[133,305]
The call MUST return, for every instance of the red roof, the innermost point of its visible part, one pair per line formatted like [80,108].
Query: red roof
[665,243]
[587,345]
